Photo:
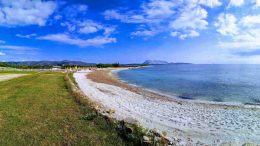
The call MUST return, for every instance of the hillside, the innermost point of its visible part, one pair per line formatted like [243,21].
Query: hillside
[53,63]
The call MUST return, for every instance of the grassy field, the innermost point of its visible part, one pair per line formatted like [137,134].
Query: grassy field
[39,109]
[16,72]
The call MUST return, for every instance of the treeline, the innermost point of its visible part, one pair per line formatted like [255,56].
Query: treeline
[22,66]
[62,66]
[100,65]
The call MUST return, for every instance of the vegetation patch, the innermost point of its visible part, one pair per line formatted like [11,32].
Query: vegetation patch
[39,109]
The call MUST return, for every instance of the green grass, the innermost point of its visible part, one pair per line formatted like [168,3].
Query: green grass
[16,72]
[39,109]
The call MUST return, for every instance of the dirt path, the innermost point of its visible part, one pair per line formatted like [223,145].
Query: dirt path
[5,77]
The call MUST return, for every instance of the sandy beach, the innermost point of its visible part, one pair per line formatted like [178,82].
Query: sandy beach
[186,122]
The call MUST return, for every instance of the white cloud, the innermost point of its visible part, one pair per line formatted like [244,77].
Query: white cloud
[246,40]
[89,26]
[67,39]
[25,12]
[2,54]
[17,48]
[2,42]
[157,16]
[127,18]
[210,3]
[191,19]
[240,45]
[251,20]
[236,3]
[227,24]
[174,33]
[82,8]
[159,8]
[257,3]
[26,36]
[192,33]
[58,17]
[144,33]
[244,34]
[71,27]
[109,30]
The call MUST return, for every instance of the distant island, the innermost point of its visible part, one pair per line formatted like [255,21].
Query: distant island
[161,62]
[155,62]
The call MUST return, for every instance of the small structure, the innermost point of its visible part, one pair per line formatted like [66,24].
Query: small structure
[56,68]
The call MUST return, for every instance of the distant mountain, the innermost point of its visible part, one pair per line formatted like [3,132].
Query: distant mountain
[155,62]
[53,63]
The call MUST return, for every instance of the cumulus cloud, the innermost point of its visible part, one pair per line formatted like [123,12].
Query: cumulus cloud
[226,24]
[236,3]
[78,27]
[89,26]
[250,20]
[246,40]
[210,3]
[25,12]
[158,16]
[159,9]
[67,39]
[190,20]
[244,32]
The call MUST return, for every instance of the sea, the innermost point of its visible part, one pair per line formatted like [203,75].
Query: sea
[202,82]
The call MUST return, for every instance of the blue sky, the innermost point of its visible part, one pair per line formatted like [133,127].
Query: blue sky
[131,31]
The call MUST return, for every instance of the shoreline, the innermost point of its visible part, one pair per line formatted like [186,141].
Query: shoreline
[185,122]
[114,72]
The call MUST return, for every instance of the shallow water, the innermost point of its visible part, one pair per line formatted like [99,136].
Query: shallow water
[219,83]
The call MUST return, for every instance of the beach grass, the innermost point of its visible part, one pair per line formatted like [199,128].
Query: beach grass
[39,109]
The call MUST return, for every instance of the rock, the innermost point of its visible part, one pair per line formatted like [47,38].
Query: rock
[164,133]
[147,140]
[155,132]
[166,141]
[110,111]
[124,131]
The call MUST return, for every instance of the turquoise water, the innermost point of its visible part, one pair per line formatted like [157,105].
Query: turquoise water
[219,83]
